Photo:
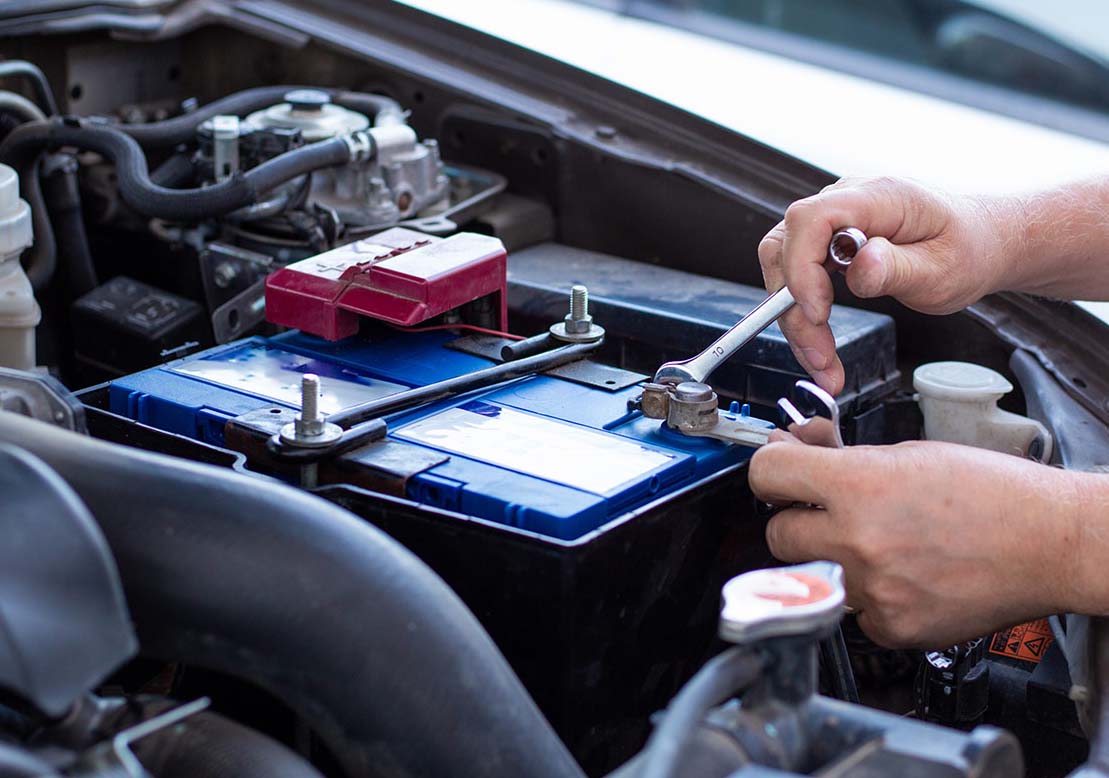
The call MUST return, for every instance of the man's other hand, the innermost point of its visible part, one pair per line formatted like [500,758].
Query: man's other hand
[938,542]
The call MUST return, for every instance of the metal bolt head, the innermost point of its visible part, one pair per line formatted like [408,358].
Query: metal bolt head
[224,274]
[578,321]
[309,429]
[578,326]
[693,391]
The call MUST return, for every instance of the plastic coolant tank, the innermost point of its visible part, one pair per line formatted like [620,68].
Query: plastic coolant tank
[959,403]
[19,313]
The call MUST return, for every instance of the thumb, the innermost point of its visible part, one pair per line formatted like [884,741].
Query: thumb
[883,268]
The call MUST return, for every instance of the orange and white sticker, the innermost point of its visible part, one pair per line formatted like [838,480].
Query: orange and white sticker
[1028,642]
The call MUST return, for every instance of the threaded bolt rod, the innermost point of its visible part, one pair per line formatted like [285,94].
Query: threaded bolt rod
[309,397]
[579,302]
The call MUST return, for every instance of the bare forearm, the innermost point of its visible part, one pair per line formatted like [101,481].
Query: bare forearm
[1056,242]
[1088,503]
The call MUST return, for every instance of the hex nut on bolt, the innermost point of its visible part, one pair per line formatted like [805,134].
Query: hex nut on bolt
[310,429]
[578,326]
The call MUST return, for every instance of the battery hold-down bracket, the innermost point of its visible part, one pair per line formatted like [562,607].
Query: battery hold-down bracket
[399,276]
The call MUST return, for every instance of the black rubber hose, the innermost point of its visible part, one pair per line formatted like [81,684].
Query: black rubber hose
[268,583]
[377,107]
[41,259]
[30,71]
[176,172]
[20,107]
[182,129]
[721,677]
[145,197]
[207,745]
[63,204]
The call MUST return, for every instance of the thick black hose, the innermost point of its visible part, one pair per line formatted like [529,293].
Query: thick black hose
[63,204]
[720,678]
[182,129]
[207,745]
[20,106]
[177,171]
[146,197]
[30,71]
[378,107]
[41,259]
[271,584]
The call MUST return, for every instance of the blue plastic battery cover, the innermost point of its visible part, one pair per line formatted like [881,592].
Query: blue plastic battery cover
[197,395]
[568,454]
[539,453]
[266,371]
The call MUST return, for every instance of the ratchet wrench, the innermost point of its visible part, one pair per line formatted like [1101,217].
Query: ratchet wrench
[844,246]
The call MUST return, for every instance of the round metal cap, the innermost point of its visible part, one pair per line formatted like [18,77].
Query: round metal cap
[307,99]
[797,600]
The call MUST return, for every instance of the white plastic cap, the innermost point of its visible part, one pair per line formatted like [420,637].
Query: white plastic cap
[15,215]
[962,381]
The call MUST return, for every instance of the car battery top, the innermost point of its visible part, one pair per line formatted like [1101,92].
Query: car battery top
[399,276]
[540,453]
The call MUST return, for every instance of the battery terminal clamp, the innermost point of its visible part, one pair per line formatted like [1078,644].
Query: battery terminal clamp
[692,409]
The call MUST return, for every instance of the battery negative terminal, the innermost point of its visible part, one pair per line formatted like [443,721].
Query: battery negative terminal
[692,408]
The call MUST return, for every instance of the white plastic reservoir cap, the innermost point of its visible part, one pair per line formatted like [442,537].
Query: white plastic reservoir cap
[962,381]
[15,215]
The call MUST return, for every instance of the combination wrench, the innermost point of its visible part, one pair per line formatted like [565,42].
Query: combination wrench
[844,245]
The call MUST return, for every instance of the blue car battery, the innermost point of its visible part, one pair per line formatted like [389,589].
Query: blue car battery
[540,453]
[576,531]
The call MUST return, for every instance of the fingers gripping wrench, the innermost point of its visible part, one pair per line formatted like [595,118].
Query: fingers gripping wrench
[844,246]
[812,415]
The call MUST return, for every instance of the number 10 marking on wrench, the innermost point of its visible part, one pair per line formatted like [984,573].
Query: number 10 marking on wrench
[844,246]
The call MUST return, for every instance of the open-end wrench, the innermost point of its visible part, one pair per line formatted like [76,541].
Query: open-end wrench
[844,246]
[812,415]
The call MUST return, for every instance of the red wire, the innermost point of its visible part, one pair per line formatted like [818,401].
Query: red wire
[471,327]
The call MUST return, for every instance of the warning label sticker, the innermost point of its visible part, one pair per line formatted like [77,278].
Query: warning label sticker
[1024,641]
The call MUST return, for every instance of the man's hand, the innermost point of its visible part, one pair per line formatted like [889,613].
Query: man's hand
[933,252]
[936,253]
[939,543]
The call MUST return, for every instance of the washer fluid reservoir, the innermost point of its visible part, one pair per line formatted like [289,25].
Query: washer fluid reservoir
[959,403]
[19,313]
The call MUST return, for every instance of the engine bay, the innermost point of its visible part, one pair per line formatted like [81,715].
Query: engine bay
[339,357]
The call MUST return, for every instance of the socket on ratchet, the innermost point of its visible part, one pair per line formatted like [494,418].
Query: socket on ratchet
[844,246]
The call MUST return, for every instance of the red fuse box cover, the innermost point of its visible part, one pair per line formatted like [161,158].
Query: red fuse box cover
[399,276]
